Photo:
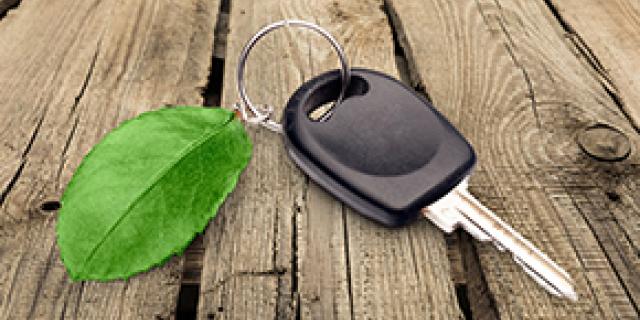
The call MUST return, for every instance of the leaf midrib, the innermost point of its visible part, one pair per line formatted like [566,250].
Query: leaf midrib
[153,181]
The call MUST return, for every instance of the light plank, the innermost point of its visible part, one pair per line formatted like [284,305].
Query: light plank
[281,247]
[506,75]
[69,72]
[607,35]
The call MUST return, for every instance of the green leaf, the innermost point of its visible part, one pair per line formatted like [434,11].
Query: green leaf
[144,192]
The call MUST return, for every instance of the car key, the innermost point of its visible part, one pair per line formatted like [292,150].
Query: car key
[461,208]
[387,153]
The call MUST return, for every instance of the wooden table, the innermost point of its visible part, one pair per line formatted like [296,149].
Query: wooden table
[547,91]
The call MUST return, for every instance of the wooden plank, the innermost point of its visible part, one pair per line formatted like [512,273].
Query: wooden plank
[69,72]
[281,247]
[611,50]
[609,34]
[505,74]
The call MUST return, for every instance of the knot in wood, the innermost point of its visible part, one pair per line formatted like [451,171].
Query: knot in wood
[50,205]
[604,143]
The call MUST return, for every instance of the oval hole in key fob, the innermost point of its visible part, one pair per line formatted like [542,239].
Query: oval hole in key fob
[384,150]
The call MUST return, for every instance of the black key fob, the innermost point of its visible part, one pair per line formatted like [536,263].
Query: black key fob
[385,151]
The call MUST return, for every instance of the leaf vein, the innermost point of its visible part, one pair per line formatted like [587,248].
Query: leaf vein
[153,182]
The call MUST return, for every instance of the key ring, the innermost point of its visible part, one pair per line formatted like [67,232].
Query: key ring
[262,116]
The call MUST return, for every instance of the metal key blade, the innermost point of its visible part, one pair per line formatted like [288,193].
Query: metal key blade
[484,225]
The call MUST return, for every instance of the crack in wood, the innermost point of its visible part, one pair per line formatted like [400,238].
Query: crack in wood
[12,182]
[278,272]
[63,313]
[463,300]
[41,280]
[481,300]
[578,42]
[406,63]
[593,62]
[347,260]
[34,134]
[90,70]
[294,292]
[509,46]
[6,6]
[67,144]
[79,298]
[38,126]
[212,93]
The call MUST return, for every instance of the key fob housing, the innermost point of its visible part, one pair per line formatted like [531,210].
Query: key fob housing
[385,151]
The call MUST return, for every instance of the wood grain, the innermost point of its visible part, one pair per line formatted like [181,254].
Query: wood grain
[69,72]
[609,33]
[524,81]
[283,248]
[506,75]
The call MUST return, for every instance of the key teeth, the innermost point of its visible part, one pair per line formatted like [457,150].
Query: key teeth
[474,231]
[468,225]
[571,294]
[498,246]
[537,278]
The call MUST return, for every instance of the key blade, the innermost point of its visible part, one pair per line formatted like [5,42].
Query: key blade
[537,264]
[449,219]
[537,277]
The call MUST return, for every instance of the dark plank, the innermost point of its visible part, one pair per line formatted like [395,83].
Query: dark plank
[506,75]
[69,72]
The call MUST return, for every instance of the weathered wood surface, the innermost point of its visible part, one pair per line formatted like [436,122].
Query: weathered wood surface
[522,80]
[69,72]
[609,35]
[281,246]
[506,74]
[608,32]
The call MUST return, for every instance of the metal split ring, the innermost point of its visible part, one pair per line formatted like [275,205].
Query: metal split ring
[262,116]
